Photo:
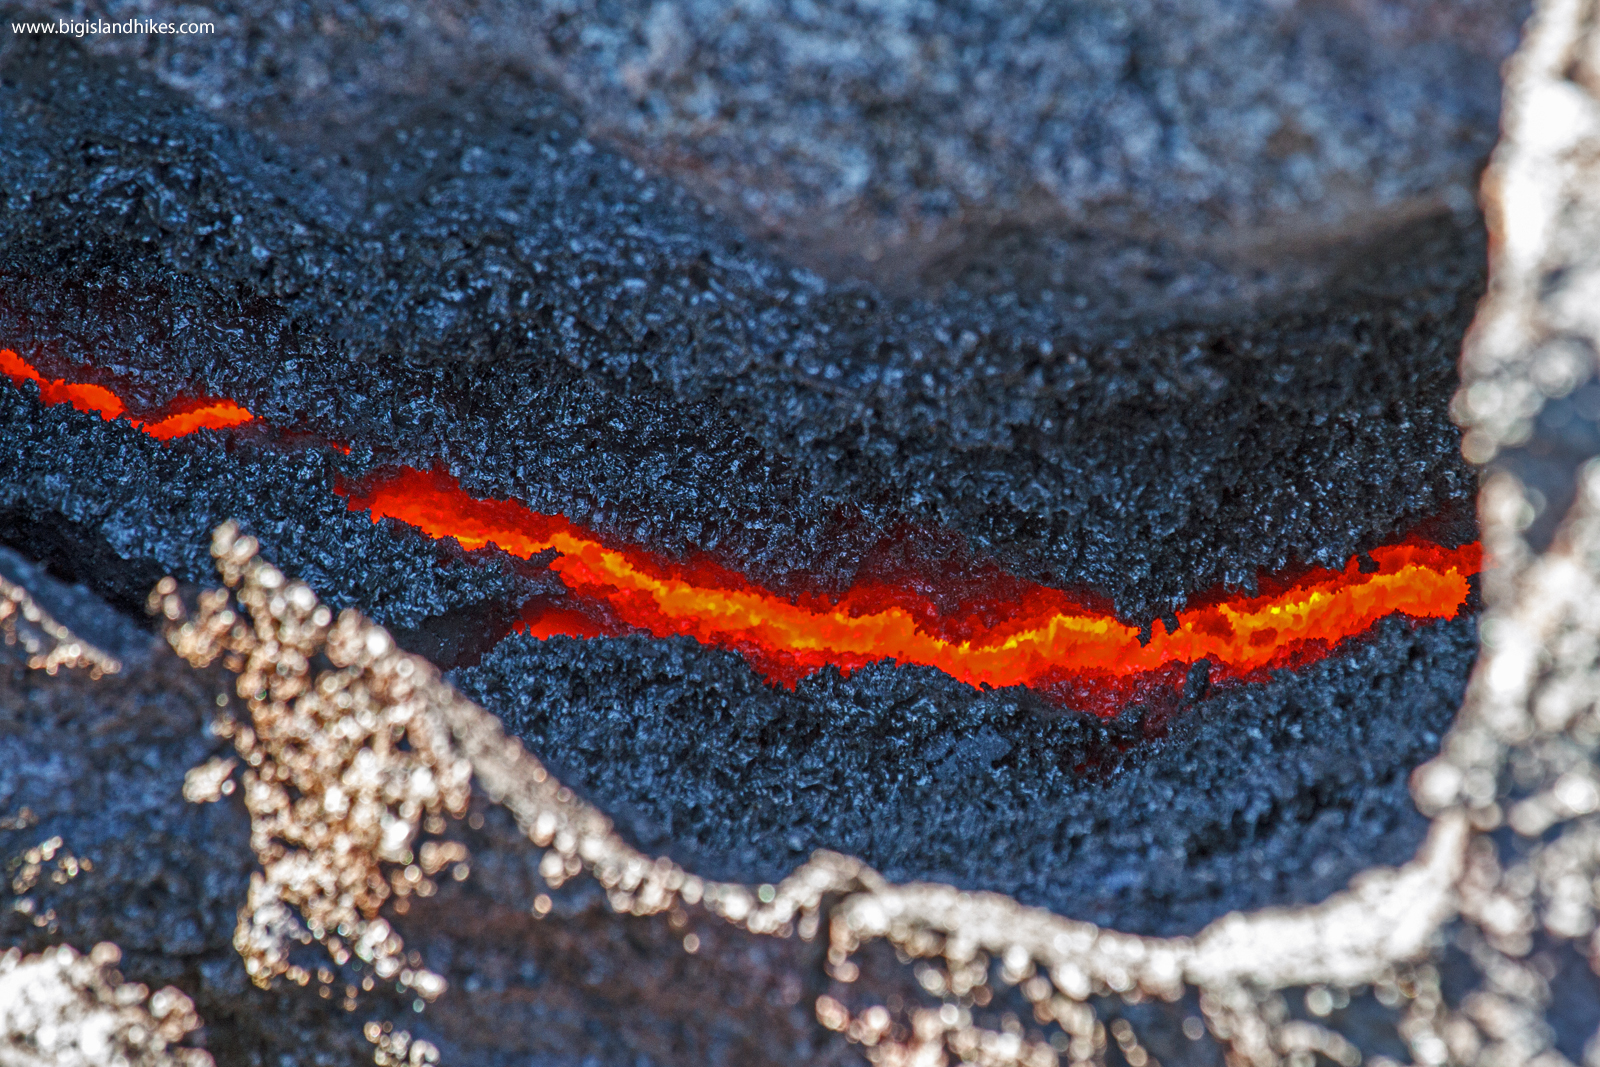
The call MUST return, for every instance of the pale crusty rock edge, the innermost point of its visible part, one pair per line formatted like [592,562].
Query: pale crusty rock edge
[62,1009]
[333,736]
[49,645]
[273,628]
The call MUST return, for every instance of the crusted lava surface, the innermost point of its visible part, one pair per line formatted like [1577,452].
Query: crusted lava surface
[465,279]
[1257,795]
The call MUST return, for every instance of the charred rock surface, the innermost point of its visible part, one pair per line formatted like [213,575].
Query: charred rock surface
[105,504]
[143,234]
[470,264]
[468,279]
[1259,794]
[1122,159]
[99,769]
[472,281]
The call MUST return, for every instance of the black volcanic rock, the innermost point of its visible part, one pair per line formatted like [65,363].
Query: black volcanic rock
[1117,158]
[1142,303]
[1261,794]
[99,766]
[471,281]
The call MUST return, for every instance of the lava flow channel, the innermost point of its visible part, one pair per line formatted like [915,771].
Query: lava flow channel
[1048,641]
[177,419]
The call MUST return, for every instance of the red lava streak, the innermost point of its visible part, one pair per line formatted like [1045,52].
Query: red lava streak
[1046,639]
[1050,641]
[176,420]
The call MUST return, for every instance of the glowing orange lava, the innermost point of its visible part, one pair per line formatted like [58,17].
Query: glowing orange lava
[1043,638]
[183,417]
[1048,638]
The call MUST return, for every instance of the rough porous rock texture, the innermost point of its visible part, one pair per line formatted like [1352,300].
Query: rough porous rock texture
[469,280]
[111,506]
[1170,301]
[1258,794]
[60,1009]
[467,276]
[1113,157]
[96,772]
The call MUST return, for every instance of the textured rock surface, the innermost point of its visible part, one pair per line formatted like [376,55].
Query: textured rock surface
[1118,157]
[464,276]
[60,1009]
[538,269]
[1260,794]
[471,281]
[99,768]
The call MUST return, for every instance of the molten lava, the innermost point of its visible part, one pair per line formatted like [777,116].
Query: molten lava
[1045,640]
[1048,639]
[176,420]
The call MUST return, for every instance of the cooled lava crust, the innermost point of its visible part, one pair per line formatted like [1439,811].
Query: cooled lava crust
[466,282]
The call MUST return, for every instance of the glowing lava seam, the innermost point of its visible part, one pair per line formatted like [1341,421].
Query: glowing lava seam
[1048,642]
[177,420]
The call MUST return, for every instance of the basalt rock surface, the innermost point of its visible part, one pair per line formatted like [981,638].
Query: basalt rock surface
[1160,308]
[1252,797]
[473,282]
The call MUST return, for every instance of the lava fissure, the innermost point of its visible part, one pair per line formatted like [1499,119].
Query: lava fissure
[175,420]
[1077,653]
[1050,642]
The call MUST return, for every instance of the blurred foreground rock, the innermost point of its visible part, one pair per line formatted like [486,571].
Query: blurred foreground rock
[60,1009]
[96,770]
